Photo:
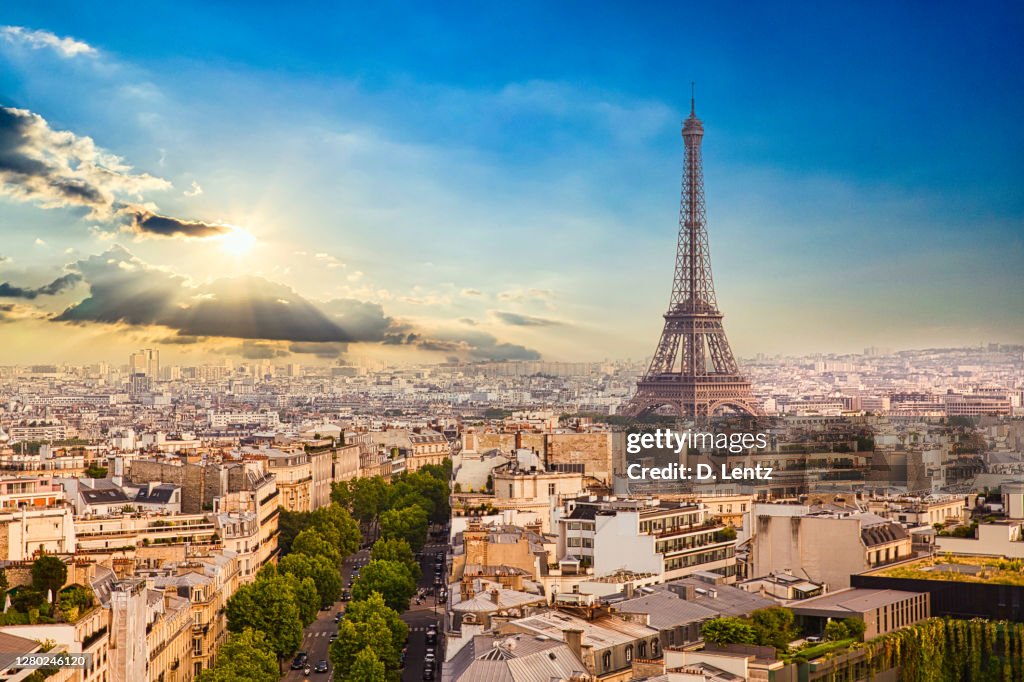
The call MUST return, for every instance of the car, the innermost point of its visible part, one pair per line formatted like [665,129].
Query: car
[334,636]
[428,673]
[430,660]
[326,607]
[813,639]
[338,616]
[437,580]
[431,636]
[299,662]
[321,666]
[345,595]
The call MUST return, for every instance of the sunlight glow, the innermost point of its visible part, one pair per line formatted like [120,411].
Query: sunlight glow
[237,242]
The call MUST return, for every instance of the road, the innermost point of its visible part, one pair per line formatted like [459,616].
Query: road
[317,637]
[419,617]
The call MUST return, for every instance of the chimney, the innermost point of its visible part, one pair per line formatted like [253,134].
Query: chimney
[689,592]
[628,588]
[574,640]
[495,596]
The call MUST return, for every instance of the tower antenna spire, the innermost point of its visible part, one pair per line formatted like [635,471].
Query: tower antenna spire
[693,107]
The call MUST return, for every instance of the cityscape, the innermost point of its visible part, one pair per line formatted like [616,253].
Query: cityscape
[368,401]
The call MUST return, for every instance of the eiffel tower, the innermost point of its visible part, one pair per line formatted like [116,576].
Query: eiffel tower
[693,371]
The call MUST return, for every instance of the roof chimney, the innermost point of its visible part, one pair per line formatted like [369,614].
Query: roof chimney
[494,596]
[574,640]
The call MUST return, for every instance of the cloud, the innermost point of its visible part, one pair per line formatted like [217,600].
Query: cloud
[195,191]
[327,351]
[58,169]
[471,292]
[8,290]
[145,222]
[125,289]
[477,345]
[517,320]
[38,40]
[520,295]
[255,350]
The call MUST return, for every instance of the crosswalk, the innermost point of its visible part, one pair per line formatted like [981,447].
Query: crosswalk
[313,635]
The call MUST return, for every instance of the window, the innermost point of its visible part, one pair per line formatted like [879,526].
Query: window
[643,649]
[197,647]
[551,488]
[629,653]
[606,660]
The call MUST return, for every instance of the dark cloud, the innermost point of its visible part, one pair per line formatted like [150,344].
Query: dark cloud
[178,340]
[468,321]
[124,289]
[517,320]
[144,222]
[477,346]
[58,169]
[8,290]
[328,351]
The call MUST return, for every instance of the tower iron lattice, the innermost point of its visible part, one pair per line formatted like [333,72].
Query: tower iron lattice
[693,369]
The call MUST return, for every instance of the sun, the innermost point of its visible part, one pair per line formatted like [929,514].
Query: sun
[237,242]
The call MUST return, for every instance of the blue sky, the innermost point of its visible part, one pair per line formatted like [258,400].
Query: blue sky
[503,182]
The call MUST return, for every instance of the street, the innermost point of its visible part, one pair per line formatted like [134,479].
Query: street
[317,637]
[419,617]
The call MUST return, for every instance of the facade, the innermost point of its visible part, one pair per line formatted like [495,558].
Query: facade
[668,540]
[294,477]
[321,464]
[826,547]
[881,611]
[27,532]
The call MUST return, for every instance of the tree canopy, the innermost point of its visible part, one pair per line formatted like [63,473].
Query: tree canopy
[324,574]
[729,630]
[408,523]
[269,605]
[368,624]
[397,549]
[49,574]
[391,579]
[244,656]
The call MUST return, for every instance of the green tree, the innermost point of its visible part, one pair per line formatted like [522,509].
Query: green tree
[368,623]
[268,605]
[4,584]
[773,627]
[389,578]
[305,596]
[244,656]
[290,524]
[409,523]
[324,574]
[397,549]
[855,627]
[729,630]
[338,527]
[49,574]
[835,631]
[367,667]
[312,543]
[95,471]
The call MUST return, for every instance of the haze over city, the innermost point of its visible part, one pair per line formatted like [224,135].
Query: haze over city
[392,183]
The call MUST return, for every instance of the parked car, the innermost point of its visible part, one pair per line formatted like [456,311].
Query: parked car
[299,662]
[321,667]
[338,616]
[428,673]
[813,639]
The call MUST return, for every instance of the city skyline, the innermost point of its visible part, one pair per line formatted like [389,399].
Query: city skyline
[277,199]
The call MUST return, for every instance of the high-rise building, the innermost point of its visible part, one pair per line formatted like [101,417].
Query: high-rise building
[145,361]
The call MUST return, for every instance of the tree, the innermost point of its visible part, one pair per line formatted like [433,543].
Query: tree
[4,584]
[290,524]
[338,527]
[305,596]
[324,574]
[397,549]
[409,523]
[368,623]
[835,631]
[367,667]
[95,471]
[773,627]
[268,604]
[245,656]
[855,627]
[729,630]
[312,543]
[389,578]
[49,574]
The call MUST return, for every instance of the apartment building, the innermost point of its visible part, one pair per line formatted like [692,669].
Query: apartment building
[665,539]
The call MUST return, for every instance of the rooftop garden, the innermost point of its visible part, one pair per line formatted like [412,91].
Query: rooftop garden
[960,569]
[44,600]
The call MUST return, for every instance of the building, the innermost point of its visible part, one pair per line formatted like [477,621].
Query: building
[881,610]
[605,644]
[825,547]
[25,532]
[666,539]
[321,465]
[293,475]
[515,658]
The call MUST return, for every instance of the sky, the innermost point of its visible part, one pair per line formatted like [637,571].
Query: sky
[337,181]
